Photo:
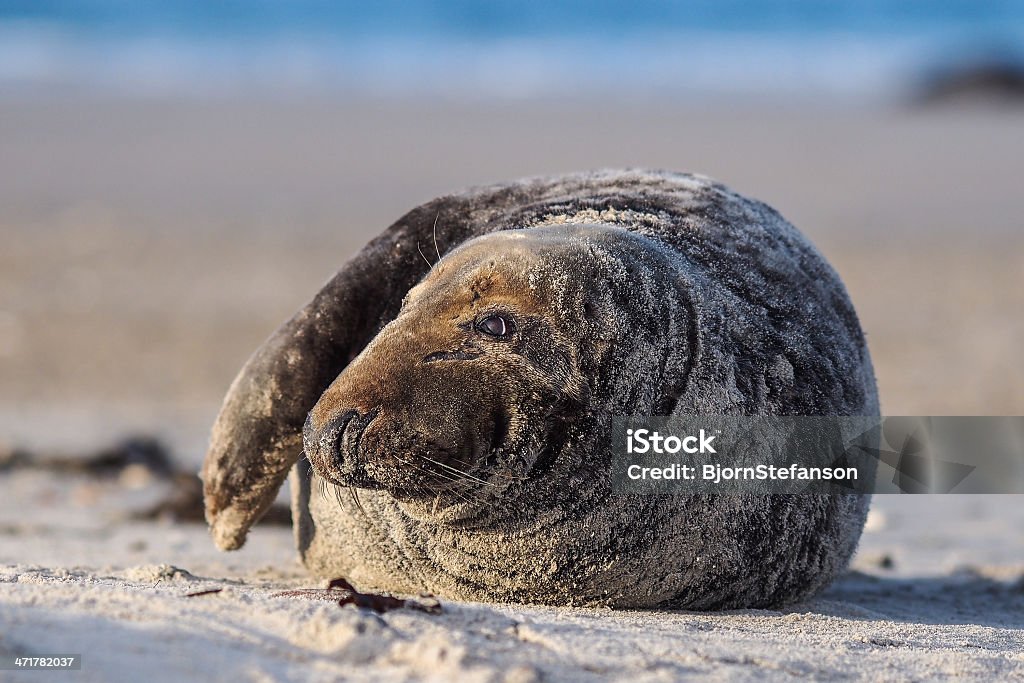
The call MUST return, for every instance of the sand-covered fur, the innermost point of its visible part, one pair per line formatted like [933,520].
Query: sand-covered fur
[644,292]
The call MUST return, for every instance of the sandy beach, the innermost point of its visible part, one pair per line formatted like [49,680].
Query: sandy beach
[149,245]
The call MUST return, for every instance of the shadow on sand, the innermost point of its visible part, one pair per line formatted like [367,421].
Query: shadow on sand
[964,597]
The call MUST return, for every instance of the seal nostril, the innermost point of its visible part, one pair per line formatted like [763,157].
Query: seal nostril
[332,440]
[353,430]
[322,446]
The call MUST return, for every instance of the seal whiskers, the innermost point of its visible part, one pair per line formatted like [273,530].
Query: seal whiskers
[433,231]
[459,473]
[468,497]
[420,249]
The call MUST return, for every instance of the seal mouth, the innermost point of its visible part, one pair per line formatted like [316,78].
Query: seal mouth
[409,466]
[432,480]
[423,471]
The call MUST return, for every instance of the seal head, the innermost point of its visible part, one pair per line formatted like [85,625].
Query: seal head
[458,395]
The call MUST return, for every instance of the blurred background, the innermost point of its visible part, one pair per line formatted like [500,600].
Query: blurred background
[178,177]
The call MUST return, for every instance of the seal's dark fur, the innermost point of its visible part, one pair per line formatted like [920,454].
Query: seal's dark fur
[720,307]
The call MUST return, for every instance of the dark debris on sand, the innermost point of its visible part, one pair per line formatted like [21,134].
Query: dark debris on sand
[344,593]
[184,501]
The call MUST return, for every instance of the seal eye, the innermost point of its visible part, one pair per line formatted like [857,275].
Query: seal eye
[496,325]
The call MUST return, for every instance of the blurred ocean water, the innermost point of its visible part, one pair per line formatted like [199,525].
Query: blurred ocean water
[500,47]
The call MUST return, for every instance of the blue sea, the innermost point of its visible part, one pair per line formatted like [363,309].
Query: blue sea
[501,48]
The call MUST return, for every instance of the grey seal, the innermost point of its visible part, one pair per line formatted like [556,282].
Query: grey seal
[455,416]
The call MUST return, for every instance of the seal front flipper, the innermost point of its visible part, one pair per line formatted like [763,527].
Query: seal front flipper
[258,434]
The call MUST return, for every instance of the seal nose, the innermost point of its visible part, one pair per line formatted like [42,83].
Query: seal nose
[323,445]
[333,449]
